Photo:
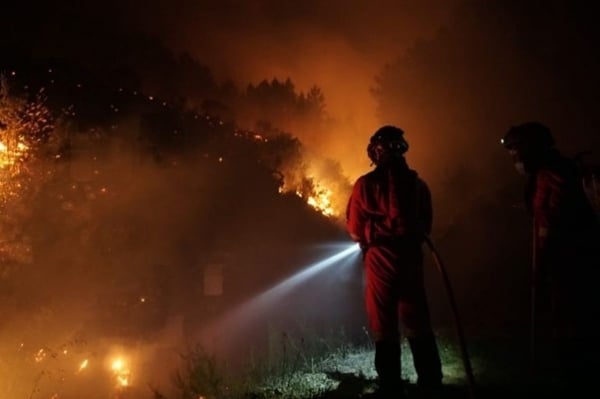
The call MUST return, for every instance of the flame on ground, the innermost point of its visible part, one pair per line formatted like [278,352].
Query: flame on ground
[121,371]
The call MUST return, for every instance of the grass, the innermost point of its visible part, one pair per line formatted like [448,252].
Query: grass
[293,367]
[297,367]
[331,368]
[331,365]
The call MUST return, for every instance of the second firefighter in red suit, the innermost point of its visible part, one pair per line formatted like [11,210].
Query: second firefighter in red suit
[566,241]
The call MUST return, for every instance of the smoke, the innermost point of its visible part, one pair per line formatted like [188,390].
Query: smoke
[123,240]
[245,328]
[339,49]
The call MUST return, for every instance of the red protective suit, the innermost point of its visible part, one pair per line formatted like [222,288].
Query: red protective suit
[567,241]
[566,264]
[388,213]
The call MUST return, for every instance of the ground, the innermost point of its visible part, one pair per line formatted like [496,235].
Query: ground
[501,369]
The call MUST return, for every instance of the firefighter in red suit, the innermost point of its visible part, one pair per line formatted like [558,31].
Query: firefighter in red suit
[388,214]
[566,235]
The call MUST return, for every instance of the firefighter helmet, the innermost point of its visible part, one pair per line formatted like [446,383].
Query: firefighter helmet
[387,144]
[529,136]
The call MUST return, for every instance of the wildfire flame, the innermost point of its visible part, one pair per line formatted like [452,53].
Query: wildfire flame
[322,194]
[10,166]
[310,177]
[320,200]
[9,155]
[121,372]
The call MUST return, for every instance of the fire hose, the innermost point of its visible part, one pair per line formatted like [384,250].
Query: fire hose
[533,299]
[457,323]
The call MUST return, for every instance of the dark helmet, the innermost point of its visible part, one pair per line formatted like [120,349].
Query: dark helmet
[530,137]
[387,144]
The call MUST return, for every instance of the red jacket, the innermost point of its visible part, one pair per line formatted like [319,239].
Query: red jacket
[565,222]
[389,202]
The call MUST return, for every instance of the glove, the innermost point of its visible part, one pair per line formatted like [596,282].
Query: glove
[364,247]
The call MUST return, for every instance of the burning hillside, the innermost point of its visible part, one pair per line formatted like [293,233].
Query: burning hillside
[319,181]
[112,233]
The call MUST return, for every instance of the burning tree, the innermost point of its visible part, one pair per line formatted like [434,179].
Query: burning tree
[25,124]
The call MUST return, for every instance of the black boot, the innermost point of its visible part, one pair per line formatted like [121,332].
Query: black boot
[426,359]
[388,367]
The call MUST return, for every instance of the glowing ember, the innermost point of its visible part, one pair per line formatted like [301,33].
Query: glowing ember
[40,355]
[23,124]
[83,364]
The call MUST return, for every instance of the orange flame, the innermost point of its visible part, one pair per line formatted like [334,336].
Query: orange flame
[121,372]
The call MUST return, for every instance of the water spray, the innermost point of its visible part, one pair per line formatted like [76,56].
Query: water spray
[457,323]
[338,259]
[345,254]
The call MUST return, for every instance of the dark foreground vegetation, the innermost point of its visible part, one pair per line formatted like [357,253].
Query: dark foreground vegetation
[335,370]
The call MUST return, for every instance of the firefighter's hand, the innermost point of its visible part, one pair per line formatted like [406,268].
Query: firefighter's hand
[364,247]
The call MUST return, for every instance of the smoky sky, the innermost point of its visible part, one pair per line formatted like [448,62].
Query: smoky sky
[337,46]
[254,39]
[341,47]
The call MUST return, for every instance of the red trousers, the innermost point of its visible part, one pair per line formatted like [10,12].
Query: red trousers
[395,292]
